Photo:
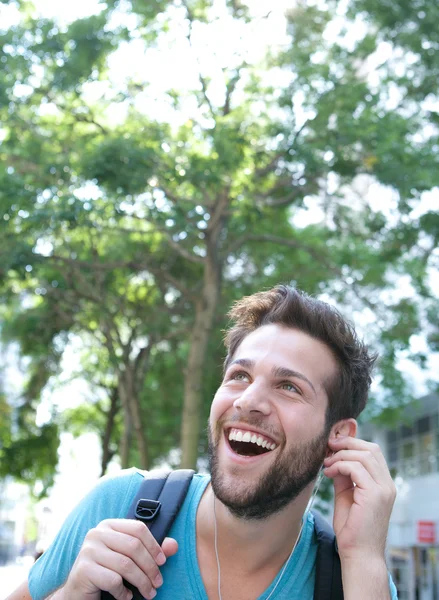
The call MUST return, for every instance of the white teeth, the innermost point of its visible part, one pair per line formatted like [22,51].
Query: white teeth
[252,438]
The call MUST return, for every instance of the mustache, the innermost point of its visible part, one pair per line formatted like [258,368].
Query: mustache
[256,421]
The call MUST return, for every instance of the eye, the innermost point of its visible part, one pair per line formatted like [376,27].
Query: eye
[239,376]
[289,387]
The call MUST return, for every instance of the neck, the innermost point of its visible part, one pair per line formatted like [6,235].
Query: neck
[252,543]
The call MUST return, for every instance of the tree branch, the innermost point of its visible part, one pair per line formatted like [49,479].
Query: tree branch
[297,192]
[219,210]
[200,76]
[109,344]
[298,245]
[80,118]
[274,161]
[172,243]
[282,242]
[230,88]
[178,248]
[110,415]
[96,266]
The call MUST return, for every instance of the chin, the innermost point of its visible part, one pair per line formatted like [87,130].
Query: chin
[255,487]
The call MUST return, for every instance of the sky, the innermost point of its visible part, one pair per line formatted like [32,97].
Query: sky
[78,470]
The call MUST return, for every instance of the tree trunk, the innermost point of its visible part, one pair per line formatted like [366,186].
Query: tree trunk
[107,455]
[130,398]
[204,317]
[127,435]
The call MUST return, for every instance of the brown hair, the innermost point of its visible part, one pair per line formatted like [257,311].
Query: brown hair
[285,305]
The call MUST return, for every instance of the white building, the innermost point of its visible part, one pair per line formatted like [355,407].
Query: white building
[412,452]
[14,507]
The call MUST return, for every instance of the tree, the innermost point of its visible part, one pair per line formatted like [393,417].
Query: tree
[206,200]
[410,30]
[124,316]
[28,452]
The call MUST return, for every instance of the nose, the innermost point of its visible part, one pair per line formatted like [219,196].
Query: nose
[254,398]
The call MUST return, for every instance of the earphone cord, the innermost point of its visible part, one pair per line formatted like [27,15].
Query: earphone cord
[308,508]
[216,548]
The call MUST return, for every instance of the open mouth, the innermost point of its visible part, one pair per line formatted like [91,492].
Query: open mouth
[248,443]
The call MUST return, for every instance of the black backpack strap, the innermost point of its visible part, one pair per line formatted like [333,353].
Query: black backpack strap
[157,503]
[328,582]
[171,495]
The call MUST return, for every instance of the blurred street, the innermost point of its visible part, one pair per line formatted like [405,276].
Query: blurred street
[12,575]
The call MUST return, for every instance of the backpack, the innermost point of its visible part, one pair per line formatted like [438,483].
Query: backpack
[160,497]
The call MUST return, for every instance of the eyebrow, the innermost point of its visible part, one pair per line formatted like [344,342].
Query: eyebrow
[244,362]
[277,371]
[284,372]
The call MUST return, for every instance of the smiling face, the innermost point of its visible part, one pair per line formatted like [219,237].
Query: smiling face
[267,432]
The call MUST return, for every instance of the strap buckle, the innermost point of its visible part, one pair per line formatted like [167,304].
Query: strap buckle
[147,510]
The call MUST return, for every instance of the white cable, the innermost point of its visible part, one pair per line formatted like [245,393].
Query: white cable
[305,516]
[216,549]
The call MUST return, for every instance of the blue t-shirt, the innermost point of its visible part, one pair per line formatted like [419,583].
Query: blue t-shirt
[112,497]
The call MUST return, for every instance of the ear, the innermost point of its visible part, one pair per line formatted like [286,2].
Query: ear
[344,428]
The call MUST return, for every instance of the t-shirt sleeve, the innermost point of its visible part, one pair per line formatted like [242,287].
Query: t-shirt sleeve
[110,499]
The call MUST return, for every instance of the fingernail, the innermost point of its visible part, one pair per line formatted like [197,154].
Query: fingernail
[153,594]
[161,559]
[158,581]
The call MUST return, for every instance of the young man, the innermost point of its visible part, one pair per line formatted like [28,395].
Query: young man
[295,378]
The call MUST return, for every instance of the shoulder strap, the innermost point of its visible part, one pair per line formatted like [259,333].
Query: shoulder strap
[168,489]
[328,582]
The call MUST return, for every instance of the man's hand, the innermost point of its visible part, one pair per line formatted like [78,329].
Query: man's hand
[115,550]
[364,497]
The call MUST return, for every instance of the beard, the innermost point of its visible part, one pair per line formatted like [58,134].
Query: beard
[287,477]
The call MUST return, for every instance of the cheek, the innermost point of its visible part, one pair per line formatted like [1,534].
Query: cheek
[302,423]
[221,402]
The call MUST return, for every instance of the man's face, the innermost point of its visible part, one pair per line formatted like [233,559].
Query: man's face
[267,433]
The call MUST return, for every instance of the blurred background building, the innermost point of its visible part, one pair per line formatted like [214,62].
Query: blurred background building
[412,452]
[14,510]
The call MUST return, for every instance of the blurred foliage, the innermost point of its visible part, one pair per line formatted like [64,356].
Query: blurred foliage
[133,234]
[28,452]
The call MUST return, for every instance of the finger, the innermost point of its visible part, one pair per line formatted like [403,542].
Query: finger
[139,530]
[108,581]
[127,569]
[354,470]
[365,457]
[341,484]
[358,444]
[130,547]
[351,443]
[169,546]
